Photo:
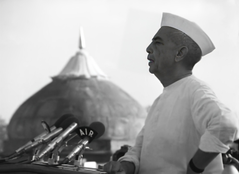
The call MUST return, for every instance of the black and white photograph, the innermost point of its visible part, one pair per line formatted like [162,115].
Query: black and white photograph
[119,86]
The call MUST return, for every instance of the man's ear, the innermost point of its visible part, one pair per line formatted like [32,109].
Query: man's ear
[181,54]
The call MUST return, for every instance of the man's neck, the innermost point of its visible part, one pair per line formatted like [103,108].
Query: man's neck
[166,81]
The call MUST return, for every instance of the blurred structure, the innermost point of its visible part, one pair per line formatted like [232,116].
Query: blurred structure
[3,133]
[83,90]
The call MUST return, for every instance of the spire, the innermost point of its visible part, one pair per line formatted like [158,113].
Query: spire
[82,65]
[81,39]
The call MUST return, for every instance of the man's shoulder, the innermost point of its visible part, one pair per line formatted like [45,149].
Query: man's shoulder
[195,83]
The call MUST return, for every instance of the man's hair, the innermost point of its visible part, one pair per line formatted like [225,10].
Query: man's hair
[194,52]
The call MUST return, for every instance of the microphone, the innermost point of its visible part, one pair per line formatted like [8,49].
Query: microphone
[73,122]
[52,134]
[55,129]
[87,134]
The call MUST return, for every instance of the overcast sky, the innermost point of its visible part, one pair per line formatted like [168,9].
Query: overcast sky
[38,37]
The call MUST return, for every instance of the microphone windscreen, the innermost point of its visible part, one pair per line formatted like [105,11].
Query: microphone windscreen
[61,119]
[98,127]
[67,122]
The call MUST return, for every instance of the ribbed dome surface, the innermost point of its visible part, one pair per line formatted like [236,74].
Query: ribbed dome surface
[88,99]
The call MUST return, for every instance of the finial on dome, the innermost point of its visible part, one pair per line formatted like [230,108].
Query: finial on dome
[81,65]
[81,39]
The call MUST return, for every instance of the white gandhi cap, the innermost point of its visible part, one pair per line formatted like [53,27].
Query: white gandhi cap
[191,29]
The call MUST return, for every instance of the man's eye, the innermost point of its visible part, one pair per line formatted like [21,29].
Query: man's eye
[158,42]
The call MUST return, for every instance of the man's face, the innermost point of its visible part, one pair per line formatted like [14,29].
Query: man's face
[162,52]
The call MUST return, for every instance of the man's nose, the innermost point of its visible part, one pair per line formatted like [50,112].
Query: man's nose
[149,49]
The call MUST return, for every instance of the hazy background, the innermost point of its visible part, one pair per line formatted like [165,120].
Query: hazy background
[38,37]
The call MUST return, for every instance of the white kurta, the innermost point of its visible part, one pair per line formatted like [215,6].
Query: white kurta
[185,117]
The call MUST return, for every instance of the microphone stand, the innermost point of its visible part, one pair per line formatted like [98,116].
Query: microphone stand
[36,152]
[79,160]
[54,156]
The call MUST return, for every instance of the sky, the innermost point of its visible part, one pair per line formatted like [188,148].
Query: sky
[38,37]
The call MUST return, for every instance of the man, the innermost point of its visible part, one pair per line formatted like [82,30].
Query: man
[187,127]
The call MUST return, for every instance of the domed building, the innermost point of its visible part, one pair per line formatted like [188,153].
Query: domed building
[83,90]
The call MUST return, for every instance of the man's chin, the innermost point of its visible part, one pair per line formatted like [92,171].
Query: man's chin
[151,70]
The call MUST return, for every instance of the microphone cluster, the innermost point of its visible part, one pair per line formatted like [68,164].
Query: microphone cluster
[55,138]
